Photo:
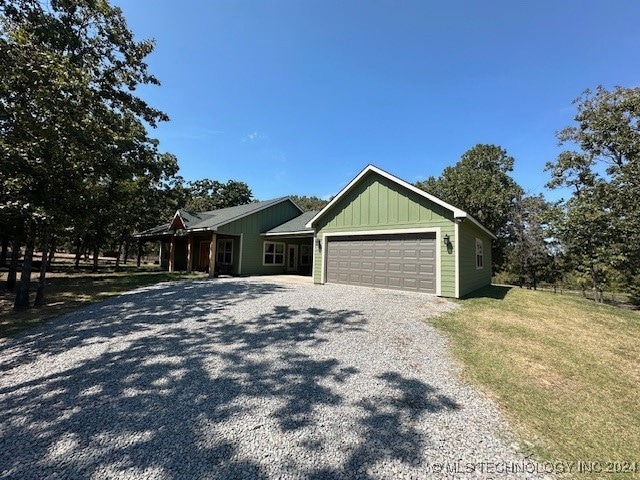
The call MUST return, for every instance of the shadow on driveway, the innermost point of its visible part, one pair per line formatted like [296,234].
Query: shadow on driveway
[172,364]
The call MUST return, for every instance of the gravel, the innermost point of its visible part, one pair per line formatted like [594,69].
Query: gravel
[247,378]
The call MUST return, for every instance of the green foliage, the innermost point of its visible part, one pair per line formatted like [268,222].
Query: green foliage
[601,229]
[76,155]
[480,185]
[533,254]
[204,195]
[308,204]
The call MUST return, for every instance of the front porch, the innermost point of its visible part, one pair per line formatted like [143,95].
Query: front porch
[230,254]
[202,252]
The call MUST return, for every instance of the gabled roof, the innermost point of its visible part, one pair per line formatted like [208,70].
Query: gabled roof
[295,226]
[213,219]
[457,213]
[155,231]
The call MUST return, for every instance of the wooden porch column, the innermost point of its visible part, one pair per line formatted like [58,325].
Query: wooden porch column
[161,253]
[212,254]
[172,254]
[190,254]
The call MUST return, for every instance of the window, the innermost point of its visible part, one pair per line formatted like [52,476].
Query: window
[479,254]
[273,253]
[224,253]
[305,255]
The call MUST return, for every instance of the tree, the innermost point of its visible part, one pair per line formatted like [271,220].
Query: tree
[68,111]
[480,185]
[309,204]
[205,194]
[603,233]
[532,252]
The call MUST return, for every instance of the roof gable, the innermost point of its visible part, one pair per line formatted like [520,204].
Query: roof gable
[457,213]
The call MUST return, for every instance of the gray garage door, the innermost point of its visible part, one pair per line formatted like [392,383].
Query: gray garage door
[405,262]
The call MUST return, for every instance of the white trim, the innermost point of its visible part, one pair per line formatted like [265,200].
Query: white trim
[240,255]
[288,234]
[456,245]
[457,213]
[284,254]
[177,214]
[397,231]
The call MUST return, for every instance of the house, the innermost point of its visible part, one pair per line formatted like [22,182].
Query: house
[378,231]
[236,240]
[381,231]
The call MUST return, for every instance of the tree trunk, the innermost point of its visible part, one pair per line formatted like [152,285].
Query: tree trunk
[52,253]
[119,254]
[22,294]
[3,252]
[43,270]
[533,279]
[139,253]
[78,252]
[126,251]
[96,252]
[13,265]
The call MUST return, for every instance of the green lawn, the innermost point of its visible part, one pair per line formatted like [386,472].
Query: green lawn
[565,370]
[67,291]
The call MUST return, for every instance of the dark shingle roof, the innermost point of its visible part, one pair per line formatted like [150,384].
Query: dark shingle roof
[212,219]
[216,218]
[155,231]
[295,225]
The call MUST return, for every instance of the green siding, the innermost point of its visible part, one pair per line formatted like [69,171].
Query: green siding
[377,203]
[472,278]
[251,227]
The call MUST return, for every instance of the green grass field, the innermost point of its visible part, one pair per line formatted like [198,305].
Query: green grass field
[565,370]
[67,291]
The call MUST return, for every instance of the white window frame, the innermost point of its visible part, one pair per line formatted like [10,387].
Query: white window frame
[309,255]
[479,254]
[221,250]
[275,253]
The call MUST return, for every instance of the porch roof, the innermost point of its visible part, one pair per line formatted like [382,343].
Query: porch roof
[294,227]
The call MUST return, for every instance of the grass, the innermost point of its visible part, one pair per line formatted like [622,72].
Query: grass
[565,370]
[67,291]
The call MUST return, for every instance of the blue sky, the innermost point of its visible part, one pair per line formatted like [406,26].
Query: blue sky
[296,96]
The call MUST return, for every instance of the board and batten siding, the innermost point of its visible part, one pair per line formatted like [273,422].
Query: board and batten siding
[378,203]
[472,278]
[251,227]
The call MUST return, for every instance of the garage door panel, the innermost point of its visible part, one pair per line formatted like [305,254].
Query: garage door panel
[404,262]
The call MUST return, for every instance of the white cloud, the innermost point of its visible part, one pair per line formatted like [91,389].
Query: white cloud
[254,137]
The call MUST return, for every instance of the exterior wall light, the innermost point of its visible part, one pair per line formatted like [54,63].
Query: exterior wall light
[446,239]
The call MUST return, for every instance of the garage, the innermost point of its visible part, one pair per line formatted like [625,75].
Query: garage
[380,231]
[400,261]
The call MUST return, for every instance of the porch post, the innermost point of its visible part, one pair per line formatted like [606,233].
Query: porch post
[190,254]
[212,255]
[160,254]
[172,254]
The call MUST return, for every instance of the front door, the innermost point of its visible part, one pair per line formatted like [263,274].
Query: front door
[204,256]
[292,258]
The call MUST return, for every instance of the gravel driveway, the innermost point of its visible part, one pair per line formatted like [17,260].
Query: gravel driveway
[245,378]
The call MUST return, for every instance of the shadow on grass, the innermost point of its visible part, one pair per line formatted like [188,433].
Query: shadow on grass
[497,292]
[160,399]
